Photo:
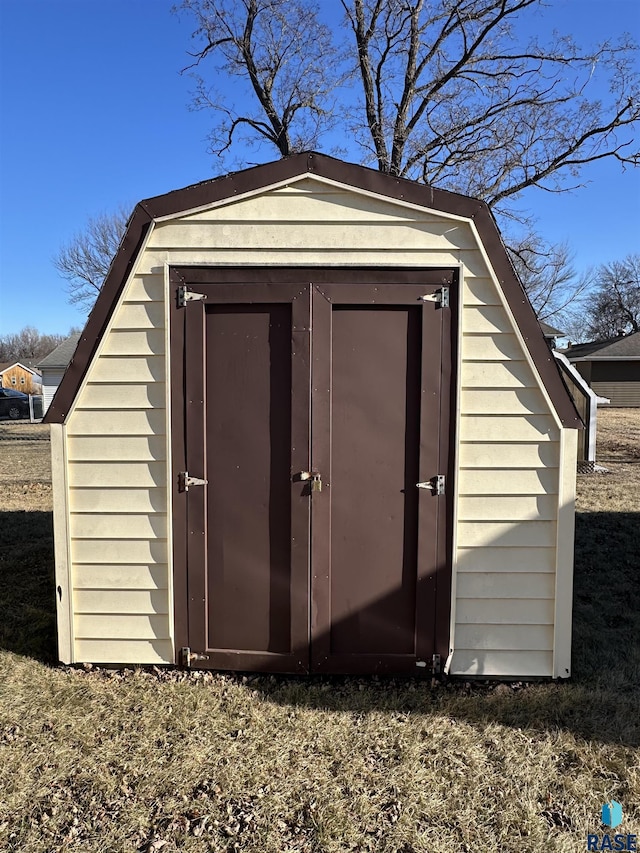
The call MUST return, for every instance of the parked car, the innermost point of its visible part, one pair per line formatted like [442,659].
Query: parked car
[13,404]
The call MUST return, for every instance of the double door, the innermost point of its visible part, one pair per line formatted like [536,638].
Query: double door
[307,406]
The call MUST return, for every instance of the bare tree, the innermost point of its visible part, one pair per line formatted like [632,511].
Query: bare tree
[614,308]
[84,262]
[450,93]
[284,56]
[28,345]
[455,99]
[549,279]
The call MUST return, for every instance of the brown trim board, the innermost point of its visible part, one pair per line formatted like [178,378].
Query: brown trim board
[359,177]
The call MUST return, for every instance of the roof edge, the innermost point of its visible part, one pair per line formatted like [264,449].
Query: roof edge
[360,177]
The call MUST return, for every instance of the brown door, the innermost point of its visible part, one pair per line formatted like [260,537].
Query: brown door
[345,375]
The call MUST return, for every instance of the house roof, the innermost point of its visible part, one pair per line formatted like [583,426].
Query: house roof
[7,365]
[622,348]
[62,354]
[310,164]
[550,332]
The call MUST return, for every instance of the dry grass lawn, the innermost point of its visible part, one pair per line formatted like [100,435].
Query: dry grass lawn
[151,760]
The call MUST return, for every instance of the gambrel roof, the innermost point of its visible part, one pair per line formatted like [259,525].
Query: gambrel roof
[359,178]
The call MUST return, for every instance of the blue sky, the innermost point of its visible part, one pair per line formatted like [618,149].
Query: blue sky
[95,114]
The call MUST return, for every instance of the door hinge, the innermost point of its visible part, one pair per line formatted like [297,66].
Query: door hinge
[185,296]
[435,484]
[441,296]
[187,656]
[184,481]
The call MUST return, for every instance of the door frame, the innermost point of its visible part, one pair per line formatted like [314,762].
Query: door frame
[202,277]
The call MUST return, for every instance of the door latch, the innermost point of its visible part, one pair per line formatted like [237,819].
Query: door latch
[435,485]
[184,481]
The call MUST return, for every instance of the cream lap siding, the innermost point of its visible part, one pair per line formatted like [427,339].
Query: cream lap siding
[116,446]
[509,457]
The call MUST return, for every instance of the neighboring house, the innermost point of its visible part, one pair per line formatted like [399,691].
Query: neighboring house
[612,368]
[54,365]
[14,374]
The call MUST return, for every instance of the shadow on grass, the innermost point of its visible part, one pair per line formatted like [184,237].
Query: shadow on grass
[27,588]
[600,703]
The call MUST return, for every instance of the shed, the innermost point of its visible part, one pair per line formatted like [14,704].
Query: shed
[54,365]
[612,368]
[20,377]
[312,425]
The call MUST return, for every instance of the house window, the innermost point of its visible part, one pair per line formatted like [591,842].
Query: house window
[22,380]
[13,380]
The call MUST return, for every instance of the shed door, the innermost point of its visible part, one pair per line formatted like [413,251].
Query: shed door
[341,373]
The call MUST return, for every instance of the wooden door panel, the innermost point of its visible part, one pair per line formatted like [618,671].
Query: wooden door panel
[378,412]
[246,429]
[374,467]
[347,372]
[248,441]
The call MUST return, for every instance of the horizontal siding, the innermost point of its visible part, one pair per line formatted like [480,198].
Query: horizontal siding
[128,525]
[124,651]
[118,423]
[153,499]
[515,664]
[121,626]
[497,375]
[308,236]
[129,368]
[503,428]
[334,256]
[476,454]
[512,611]
[486,319]
[109,576]
[118,480]
[505,585]
[139,315]
[480,291]
[134,343]
[124,551]
[111,448]
[499,346]
[315,203]
[506,534]
[496,559]
[509,481]
[117,474]
[621,394]
[146,288]
[143,395]
[513,637]
[508,508]
[120,601]
[512,401]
